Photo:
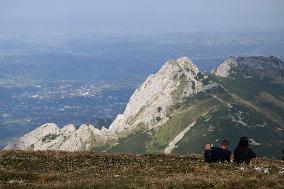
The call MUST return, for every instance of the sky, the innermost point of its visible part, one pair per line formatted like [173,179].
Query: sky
[114,17]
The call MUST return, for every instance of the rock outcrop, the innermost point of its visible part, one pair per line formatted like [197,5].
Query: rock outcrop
[51,137]
[269,66]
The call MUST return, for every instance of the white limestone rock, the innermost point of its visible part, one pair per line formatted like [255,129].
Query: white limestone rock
[226,68]
[269,66]
[50,137]
[149,104]
[35,136]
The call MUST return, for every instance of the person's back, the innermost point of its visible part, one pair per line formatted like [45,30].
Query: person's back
[243,154]
[218,154]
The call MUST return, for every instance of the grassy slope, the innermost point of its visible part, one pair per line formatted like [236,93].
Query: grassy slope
[251,90]
[22,169]
[135,143]
[219,124]
[182,115]
[221,127]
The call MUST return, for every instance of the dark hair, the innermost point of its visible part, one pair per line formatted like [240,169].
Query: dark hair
[225,143]
[243,145]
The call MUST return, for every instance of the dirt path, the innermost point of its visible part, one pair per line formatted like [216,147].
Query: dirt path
[172,144]
[216,97]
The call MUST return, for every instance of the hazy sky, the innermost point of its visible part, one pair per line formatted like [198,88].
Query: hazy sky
[138,16]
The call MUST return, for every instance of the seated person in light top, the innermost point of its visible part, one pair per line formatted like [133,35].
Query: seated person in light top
[217,154]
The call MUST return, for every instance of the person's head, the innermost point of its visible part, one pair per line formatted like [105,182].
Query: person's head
[224,144]
[207,146]
[243,143]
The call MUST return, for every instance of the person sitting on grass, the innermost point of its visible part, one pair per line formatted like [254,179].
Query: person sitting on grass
[243,154]
[217,154]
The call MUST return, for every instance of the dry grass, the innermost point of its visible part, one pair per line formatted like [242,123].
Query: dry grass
[50,169]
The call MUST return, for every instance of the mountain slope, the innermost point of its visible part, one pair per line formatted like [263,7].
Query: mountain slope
[179,108]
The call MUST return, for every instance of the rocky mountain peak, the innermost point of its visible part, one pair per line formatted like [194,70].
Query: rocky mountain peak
[174,67]
[148,105]
[225,69]
[269,65]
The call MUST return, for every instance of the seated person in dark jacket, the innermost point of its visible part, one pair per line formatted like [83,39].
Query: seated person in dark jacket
[217,154]
[243,154]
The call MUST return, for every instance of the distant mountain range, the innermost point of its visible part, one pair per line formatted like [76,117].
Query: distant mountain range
[179,109]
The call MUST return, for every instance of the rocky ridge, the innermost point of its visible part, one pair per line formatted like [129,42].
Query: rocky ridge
[148,107]
[268,65]
[50,136]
